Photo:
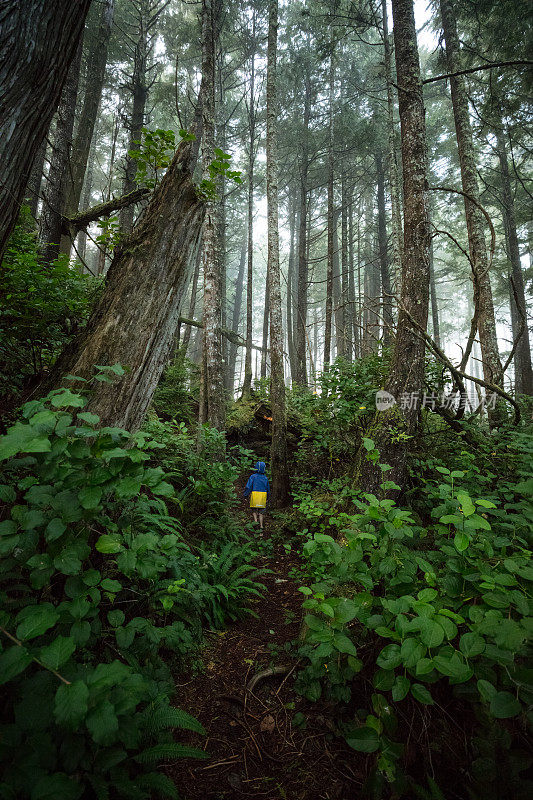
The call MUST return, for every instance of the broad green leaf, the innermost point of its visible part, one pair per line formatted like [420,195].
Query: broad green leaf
[90,497]
[70,705]
[13,661]
[54,529]
[412,651]
[461,541]
[467,506]
[57,653]
[471,644]
[344,644]
[486,690]
[345,611]
[35,620]
[364,740]
[102,723]
[164,489]
[390,657]
[22,438]
[431,633]
[89,418]
[64,398]
[383,679]
[7,494]
[110,585]
[504,705]
[401,688]
[116,617]
[128,487]
[108,544]
[421,694]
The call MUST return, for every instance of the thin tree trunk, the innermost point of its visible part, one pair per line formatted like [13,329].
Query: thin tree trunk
[522,358]
[278,453]
[386,291]
[300,376]
[81,246]
[56,183]
[216,403]
[433,295]
[492,369]
[237,305]
[192,304]
[266,315]
[135,320]
[345,274]
[97,61]
[33,189]
[290,288]
[394,174]
[338,303]
[39,42]
[103,248]
[352,318]
[331,217]
[139,95]
[247,385]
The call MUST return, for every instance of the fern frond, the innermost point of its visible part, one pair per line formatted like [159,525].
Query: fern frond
[160,784]
[168,752]
[169,717]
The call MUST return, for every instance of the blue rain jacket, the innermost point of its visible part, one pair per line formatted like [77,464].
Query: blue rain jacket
[258,482]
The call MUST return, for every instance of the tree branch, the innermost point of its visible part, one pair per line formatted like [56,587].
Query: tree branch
[492,65]
[230,335]
[71,225]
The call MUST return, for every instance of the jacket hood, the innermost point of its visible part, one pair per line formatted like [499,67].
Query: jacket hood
[260,467]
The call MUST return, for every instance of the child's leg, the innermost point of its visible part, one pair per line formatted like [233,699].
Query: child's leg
[261,518]
[255,516]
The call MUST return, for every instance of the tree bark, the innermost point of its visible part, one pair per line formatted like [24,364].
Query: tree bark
[192,305]
[300,376]
[266,317]
[331,217]
[237,305]
[433,295]
[522,358]
[97,61]
[345,273]
[406,375]
[386,291]
[492,368]
[135,320]
[216,401]
[394,174]
[247,385]
[290,289]
[278,453]
[33,189]
[56,181]
[39,42]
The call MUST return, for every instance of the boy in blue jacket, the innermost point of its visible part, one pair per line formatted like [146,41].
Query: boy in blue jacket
[258,488]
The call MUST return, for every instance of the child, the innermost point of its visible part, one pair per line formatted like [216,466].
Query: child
[258,488]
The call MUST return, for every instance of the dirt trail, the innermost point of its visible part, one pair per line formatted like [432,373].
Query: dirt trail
[254,747]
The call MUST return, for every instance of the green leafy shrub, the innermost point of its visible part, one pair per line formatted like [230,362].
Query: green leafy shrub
[42,307]
[449,602]
[89,555]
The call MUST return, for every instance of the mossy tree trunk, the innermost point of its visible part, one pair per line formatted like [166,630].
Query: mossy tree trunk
[134,322]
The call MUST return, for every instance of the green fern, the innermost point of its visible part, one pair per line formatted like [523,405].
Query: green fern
[169,717]
[160,784]
[168,752]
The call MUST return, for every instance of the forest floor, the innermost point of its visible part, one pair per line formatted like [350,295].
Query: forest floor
[255,749]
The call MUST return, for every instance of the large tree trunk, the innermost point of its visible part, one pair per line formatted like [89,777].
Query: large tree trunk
[96,61]
[216,401]
[56,181]
[39,41]
[522,358]
[338,302]
[433,295]
[278,453]
[492,369]
[135,321]
[371,286]
[406,375]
